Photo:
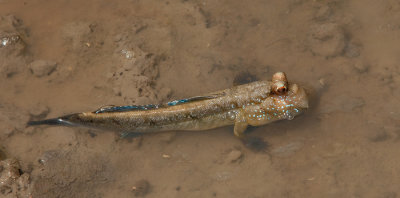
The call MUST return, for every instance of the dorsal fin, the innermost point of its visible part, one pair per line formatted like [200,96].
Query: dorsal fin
[111,108]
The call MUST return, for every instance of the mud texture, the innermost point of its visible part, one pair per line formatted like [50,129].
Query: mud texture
[61,57]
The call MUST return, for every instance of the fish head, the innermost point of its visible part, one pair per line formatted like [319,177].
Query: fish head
[289,100]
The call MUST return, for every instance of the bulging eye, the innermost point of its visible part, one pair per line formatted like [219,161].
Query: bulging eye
[279,88]
[280,83]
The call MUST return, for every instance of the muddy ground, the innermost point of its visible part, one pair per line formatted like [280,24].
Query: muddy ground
[61,57]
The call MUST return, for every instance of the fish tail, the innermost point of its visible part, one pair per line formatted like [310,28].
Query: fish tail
[63,121]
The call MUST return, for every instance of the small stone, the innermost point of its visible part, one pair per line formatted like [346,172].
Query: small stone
[128,54]
[166,156]
[42,68]
[322,82]
[234,156]
[10,39]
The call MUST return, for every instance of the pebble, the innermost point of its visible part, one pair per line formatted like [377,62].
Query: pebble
[42,68]
[234,156]
[166,156]
[7,40]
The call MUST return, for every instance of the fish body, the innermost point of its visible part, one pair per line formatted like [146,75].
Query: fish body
[255,104]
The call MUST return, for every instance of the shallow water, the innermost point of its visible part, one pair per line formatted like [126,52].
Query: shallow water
[74,56]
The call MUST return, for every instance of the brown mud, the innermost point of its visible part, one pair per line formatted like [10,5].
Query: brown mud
[60,57]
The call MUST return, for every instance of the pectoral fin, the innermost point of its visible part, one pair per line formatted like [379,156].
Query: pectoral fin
[239,128]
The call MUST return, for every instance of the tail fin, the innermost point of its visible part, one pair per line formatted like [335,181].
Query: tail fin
[54,121]
[63,121]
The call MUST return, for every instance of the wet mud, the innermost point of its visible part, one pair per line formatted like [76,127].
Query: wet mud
[62,57]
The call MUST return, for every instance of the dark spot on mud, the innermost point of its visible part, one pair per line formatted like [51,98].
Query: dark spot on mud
[141,188]
[2,154]
[244,78]
[255,144]
[208,20]
[149,55]
[380,137]
[92,134]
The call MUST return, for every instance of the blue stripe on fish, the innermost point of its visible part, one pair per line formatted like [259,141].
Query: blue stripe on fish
[126,108]
[151,106]
[176,102]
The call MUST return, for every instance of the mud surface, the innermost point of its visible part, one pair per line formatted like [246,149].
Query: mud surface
[61,57]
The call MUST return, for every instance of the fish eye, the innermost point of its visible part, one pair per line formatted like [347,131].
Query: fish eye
[280,88]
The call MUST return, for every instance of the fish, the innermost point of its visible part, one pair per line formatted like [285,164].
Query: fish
[255,104]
